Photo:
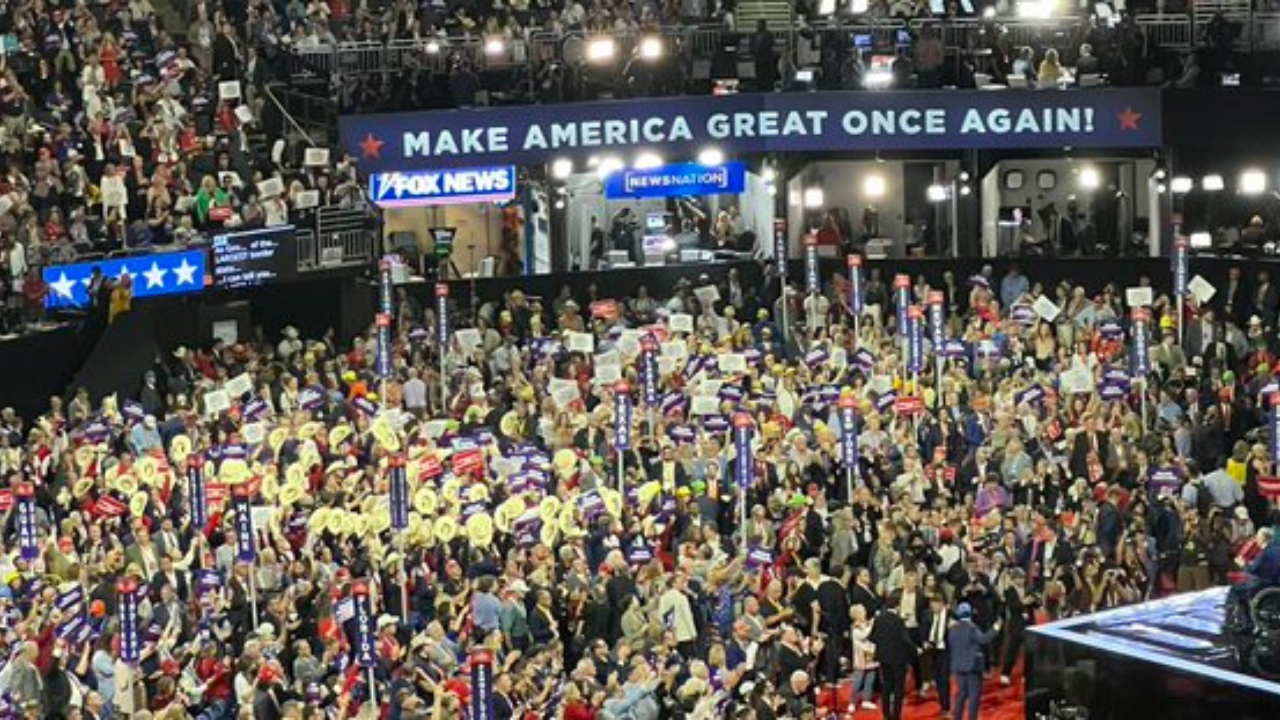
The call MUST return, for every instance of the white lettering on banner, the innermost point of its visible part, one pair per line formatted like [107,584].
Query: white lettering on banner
[892,122]
[474,140]
[765,124]
[1050,120]
[397,186]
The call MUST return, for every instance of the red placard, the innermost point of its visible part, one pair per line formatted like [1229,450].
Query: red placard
[6,500]
[605,309]
[909,405]
[429,467]
[854,261]
[902,281]
[468,462]
[442,290]
[1269,487]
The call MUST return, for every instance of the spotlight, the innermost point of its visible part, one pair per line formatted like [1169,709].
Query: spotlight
[1213,183]
[494,46]
[874,186]
[769,174]
[561,168]
[601,49]
[1160,174]
[773,190]
[433,47]
[937,193]
[1182,185]
[1162,188]
[651,47]
[1201,240]
[989,12]
[1089,178]
[965,190]
[814,198]
[648,161]
[964,176]
[1253,182]
[608,166]
[559,204]
[711,156]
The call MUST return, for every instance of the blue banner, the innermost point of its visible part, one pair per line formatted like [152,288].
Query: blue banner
[937,320]
[384,345]
[384,285]
[649,372]
[413,188]
[902,301]
[780,247]
[1275,427]
[28,541]
[1180,268]
[812,278]
[482,685]
[856,292]
[680,180]
[197,498]
[622,417]
[152,276]
[130,635]
[915,340]
[757,123]
[744,469]
[246,542]
[849,434]
[442,319]
[366,635]
[399,482]
[1140,358]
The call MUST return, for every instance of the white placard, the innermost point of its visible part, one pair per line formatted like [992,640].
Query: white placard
[316,157]
[880,384]
[560,384]
[733,364]
[244,114]
[234,178]
[254,433]
[707,295]
[1138,297]
[675,349]
[469,340]
[504,466]
[704,405]
[1202,289]
[606,358]
[680,322]
[306,199]
[271,187]
[434,429]
[216,402]
[1076,380]
[628,344]
[229,90]
[239,385]
[839,359]
[565,395]
[228,331]
[581,342]
[113,191]
[1045,308]
[709,387]
[666,365]
[608,374]
[263,516]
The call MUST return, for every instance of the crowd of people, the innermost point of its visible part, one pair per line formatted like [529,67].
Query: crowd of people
[641,569]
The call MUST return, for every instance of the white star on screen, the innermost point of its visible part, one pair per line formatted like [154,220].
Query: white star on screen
[155,276]
[63,285]
[186,273]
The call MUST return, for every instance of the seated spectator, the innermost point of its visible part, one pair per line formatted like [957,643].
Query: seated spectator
[1050,71]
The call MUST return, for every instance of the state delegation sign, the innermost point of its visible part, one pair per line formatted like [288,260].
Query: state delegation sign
[787,122]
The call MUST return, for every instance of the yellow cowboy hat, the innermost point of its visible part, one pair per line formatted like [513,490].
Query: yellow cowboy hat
[549,508]
[548,534]
[270,487]
[426,501]
[451,489]
[138,503]
[85,455]
[233,471]
[318,520]
[338,434]
[478,493]
[308,430]
[648,491]
[380,520]
[509,425]
[507,513]
[295,475]
[567,521]
[82,488]
[445,528]
[179,448]
[480,530]
[385,436]
[612,501]
[290,494]
[127,484]
[336,521]
[565,462]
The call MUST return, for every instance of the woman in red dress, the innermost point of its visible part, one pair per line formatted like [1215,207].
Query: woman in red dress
[109,58]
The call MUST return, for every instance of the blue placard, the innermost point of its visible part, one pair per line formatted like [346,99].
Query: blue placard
[1140,358]
[680,180]
[152,275]
[385,286]
[28,542]
[482,707]
[384,349]
[1180,268]
[413,188]
[780,247]
[399,496]
[744,469]
[915,342]
[622,421]
[442,319]
[849,437]
[812,280]
[937,325]
[902,301]
[198,500]
[649,377]
[856,292]
[246,542]
[1275,428]
[366,637]
[756,123]
[130,636]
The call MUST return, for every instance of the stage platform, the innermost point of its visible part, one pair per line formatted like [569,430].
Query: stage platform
[1164,659]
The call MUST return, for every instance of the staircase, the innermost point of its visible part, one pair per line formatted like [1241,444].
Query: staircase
[777,13]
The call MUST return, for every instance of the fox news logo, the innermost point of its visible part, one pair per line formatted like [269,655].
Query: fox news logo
[441,187]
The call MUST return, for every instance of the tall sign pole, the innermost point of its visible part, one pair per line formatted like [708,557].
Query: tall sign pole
[902,301]
[744,469]
[849,441]
[1180,280]
[649,381]
[399,481]
[621,428]
[442,340]
[938,333]
[1140,359]
[780,258]
[856,296]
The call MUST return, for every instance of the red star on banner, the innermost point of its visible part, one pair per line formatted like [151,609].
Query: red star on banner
[370,146]
[1129,119]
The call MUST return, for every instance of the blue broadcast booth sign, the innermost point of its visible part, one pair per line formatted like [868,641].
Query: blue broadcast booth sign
[681,180]
[174,273]
[442,187]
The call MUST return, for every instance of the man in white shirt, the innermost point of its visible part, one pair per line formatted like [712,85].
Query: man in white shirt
[415,393]
[677,614]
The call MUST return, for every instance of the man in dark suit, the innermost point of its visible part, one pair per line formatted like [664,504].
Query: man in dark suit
[894,652]
[1090,447]
[1043,555]
[966,651]
[1237,303]
[1266,299]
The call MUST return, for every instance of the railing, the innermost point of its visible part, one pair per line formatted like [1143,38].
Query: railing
[342,237]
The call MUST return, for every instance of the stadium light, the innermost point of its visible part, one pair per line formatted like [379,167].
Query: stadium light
[561,168]
[989,12]
[965,190]
[1213,183]
[1253,182]
[1181,185]
[874,186]
[1035,9]
[937,193]
[1089,178]
[814,198]
[769,174]
[433,47]
[710,156]
[1200,240]
[648,161]
[773,190]
[494,46]
[858,7]
[826,7]
[651,47]
[601,49]
[608,166]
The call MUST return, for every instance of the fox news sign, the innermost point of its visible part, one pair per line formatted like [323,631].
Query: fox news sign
[442,187]
[683,180]
[749,123]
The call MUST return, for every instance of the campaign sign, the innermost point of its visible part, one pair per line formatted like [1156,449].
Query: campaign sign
[246,542]
[937,320]
[196,492]
[915,340]
[681,180]
[780,247]
[442,312]
[384,285]
[1180,268]
[743,467]
[399,481]
[902,301]
[742,123]
[649,372]
[366,636]
[622,416]
[384,345]
[855,284]
[130,632]
[1140,359]
[1275,427]
[849,432]
[28,543]
[482,685]
[152,276]
[442,187]
[812,280]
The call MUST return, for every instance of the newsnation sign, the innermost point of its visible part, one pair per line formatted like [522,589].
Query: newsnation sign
[774,122]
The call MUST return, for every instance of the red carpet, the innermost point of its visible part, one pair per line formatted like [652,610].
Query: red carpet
[998,703]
